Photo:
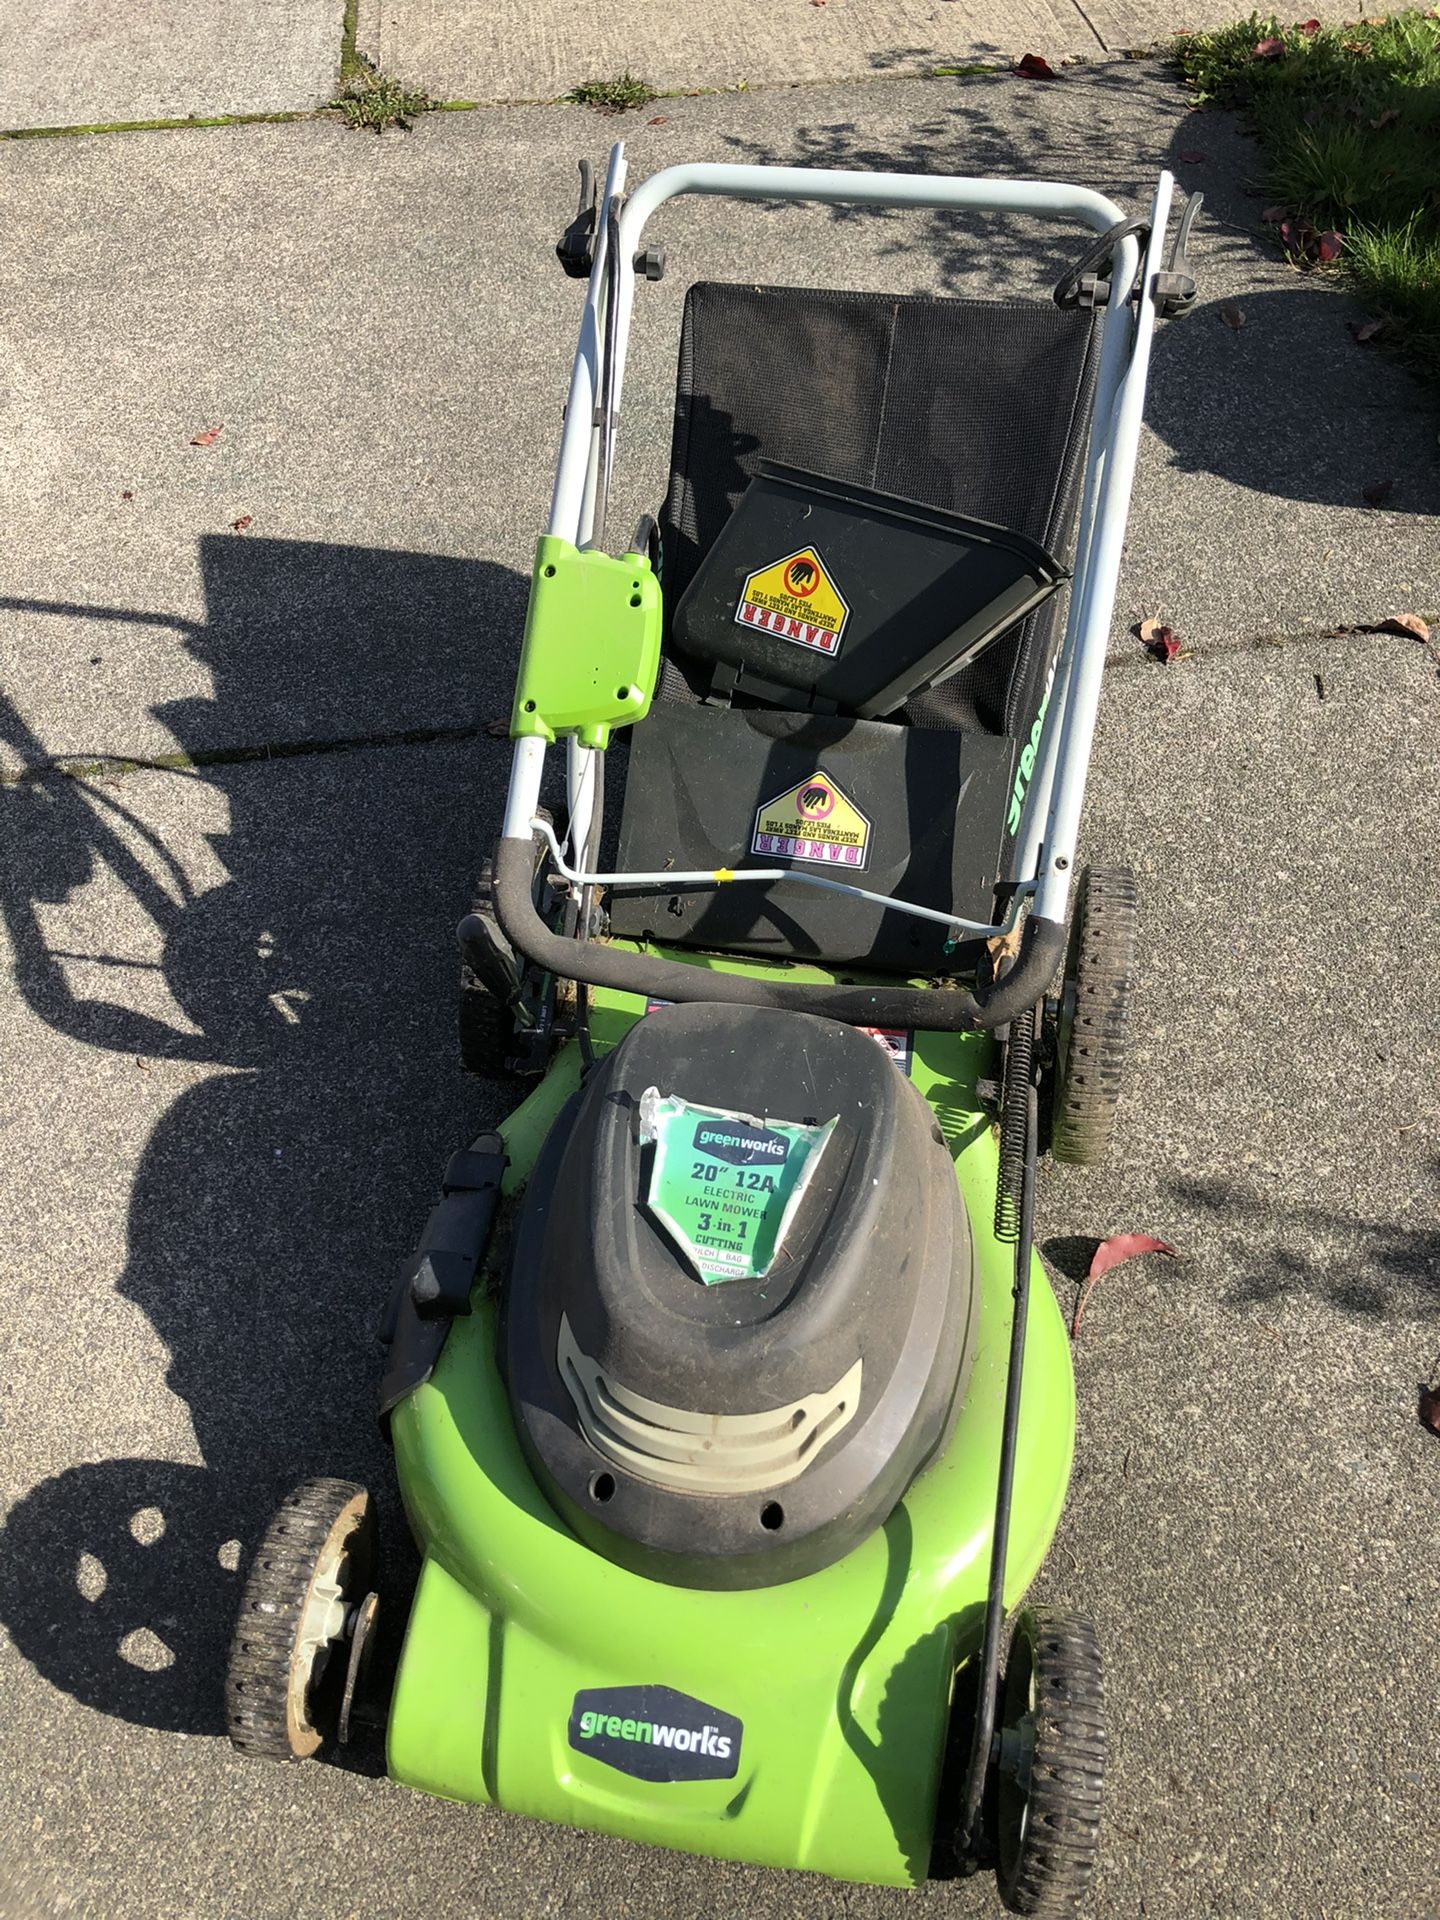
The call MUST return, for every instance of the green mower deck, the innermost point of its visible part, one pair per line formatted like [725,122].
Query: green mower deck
[840,1681]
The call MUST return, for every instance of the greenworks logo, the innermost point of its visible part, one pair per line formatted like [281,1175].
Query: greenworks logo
[1026,766]
[655,1733]
[683,1739]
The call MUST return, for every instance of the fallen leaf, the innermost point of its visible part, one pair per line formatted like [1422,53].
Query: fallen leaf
[1234,317]
[1272,216]
[819,3]
[144,1065]
[498,729]
[1408,623]
[1005,946]
[1034,68]
[1159,639]
[660,120]
[207,437]
[1269,49]
[1110,1253]
[1364,330]
[1430,1409]
[127,495]
[1330,245]
[1386,119]
[1307,27]
[1190,159]
[1378,494]
[245,520]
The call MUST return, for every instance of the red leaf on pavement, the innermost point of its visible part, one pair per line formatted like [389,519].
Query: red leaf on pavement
[245,520]
[1364,330]
[1034,68]
[1110,1253]
[1407,623]
[206,437]
[127,495]
[1330,245]
[1272,216]
[1378,494]
[1158,639]
[1269,49]
[1430,1409]
[660,120]
[1234,317]
[1307,27]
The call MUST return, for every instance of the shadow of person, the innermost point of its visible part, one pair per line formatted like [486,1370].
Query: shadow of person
[274,1199]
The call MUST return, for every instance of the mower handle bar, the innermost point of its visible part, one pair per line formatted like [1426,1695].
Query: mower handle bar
[1044,847]
[938,1009]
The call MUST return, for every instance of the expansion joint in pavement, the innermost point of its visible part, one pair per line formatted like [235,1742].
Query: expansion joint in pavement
[111,765]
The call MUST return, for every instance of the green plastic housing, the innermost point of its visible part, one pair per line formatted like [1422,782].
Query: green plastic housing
[842,1679]
[591,652]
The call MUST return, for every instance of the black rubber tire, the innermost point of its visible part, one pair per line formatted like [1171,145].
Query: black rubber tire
[1090,1032]
[486,1029]
[272,1713]
[1047,1826]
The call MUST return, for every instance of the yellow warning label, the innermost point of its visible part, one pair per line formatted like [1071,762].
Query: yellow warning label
[813,821]
[796,599]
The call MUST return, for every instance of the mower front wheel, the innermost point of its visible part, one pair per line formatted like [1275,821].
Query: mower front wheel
[1050,1763]
[292,1664]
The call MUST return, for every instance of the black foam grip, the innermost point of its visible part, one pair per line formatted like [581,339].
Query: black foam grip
[940,1009]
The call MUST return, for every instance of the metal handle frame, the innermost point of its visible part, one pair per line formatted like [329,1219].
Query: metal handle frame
[1044,847]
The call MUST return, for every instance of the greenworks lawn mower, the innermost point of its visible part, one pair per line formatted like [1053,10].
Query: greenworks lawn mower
[705,1382]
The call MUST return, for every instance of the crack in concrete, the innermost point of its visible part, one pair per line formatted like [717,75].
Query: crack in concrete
[91,766]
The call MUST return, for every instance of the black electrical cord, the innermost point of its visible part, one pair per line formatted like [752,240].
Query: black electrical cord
[969,1829]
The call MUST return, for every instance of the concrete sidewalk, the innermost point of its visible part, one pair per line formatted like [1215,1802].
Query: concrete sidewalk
[76,63]
[227,1022]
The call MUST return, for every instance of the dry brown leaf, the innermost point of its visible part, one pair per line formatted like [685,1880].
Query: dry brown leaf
[1406,623]
[1233,316]
[245,520]
[1005,946]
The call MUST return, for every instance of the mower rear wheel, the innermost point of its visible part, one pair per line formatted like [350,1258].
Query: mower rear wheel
[1050,1771]
[307,1587]
[1088,1030]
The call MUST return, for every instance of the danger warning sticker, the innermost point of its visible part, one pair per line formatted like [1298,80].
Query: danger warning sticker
[813,821]
[796,599]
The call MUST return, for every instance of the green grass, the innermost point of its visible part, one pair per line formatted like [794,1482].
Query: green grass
[375,100]
[1348,119]
[613,96]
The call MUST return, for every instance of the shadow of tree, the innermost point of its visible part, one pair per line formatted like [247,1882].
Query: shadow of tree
[274,1198]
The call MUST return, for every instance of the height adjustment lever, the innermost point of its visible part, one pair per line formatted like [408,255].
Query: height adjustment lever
[1175,288]
[575,249]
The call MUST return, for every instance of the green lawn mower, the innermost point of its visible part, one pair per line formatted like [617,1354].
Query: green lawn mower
[705,1381]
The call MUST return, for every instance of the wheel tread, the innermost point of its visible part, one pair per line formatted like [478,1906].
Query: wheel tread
[257,1680]
[1057,1854]
[1102,968]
